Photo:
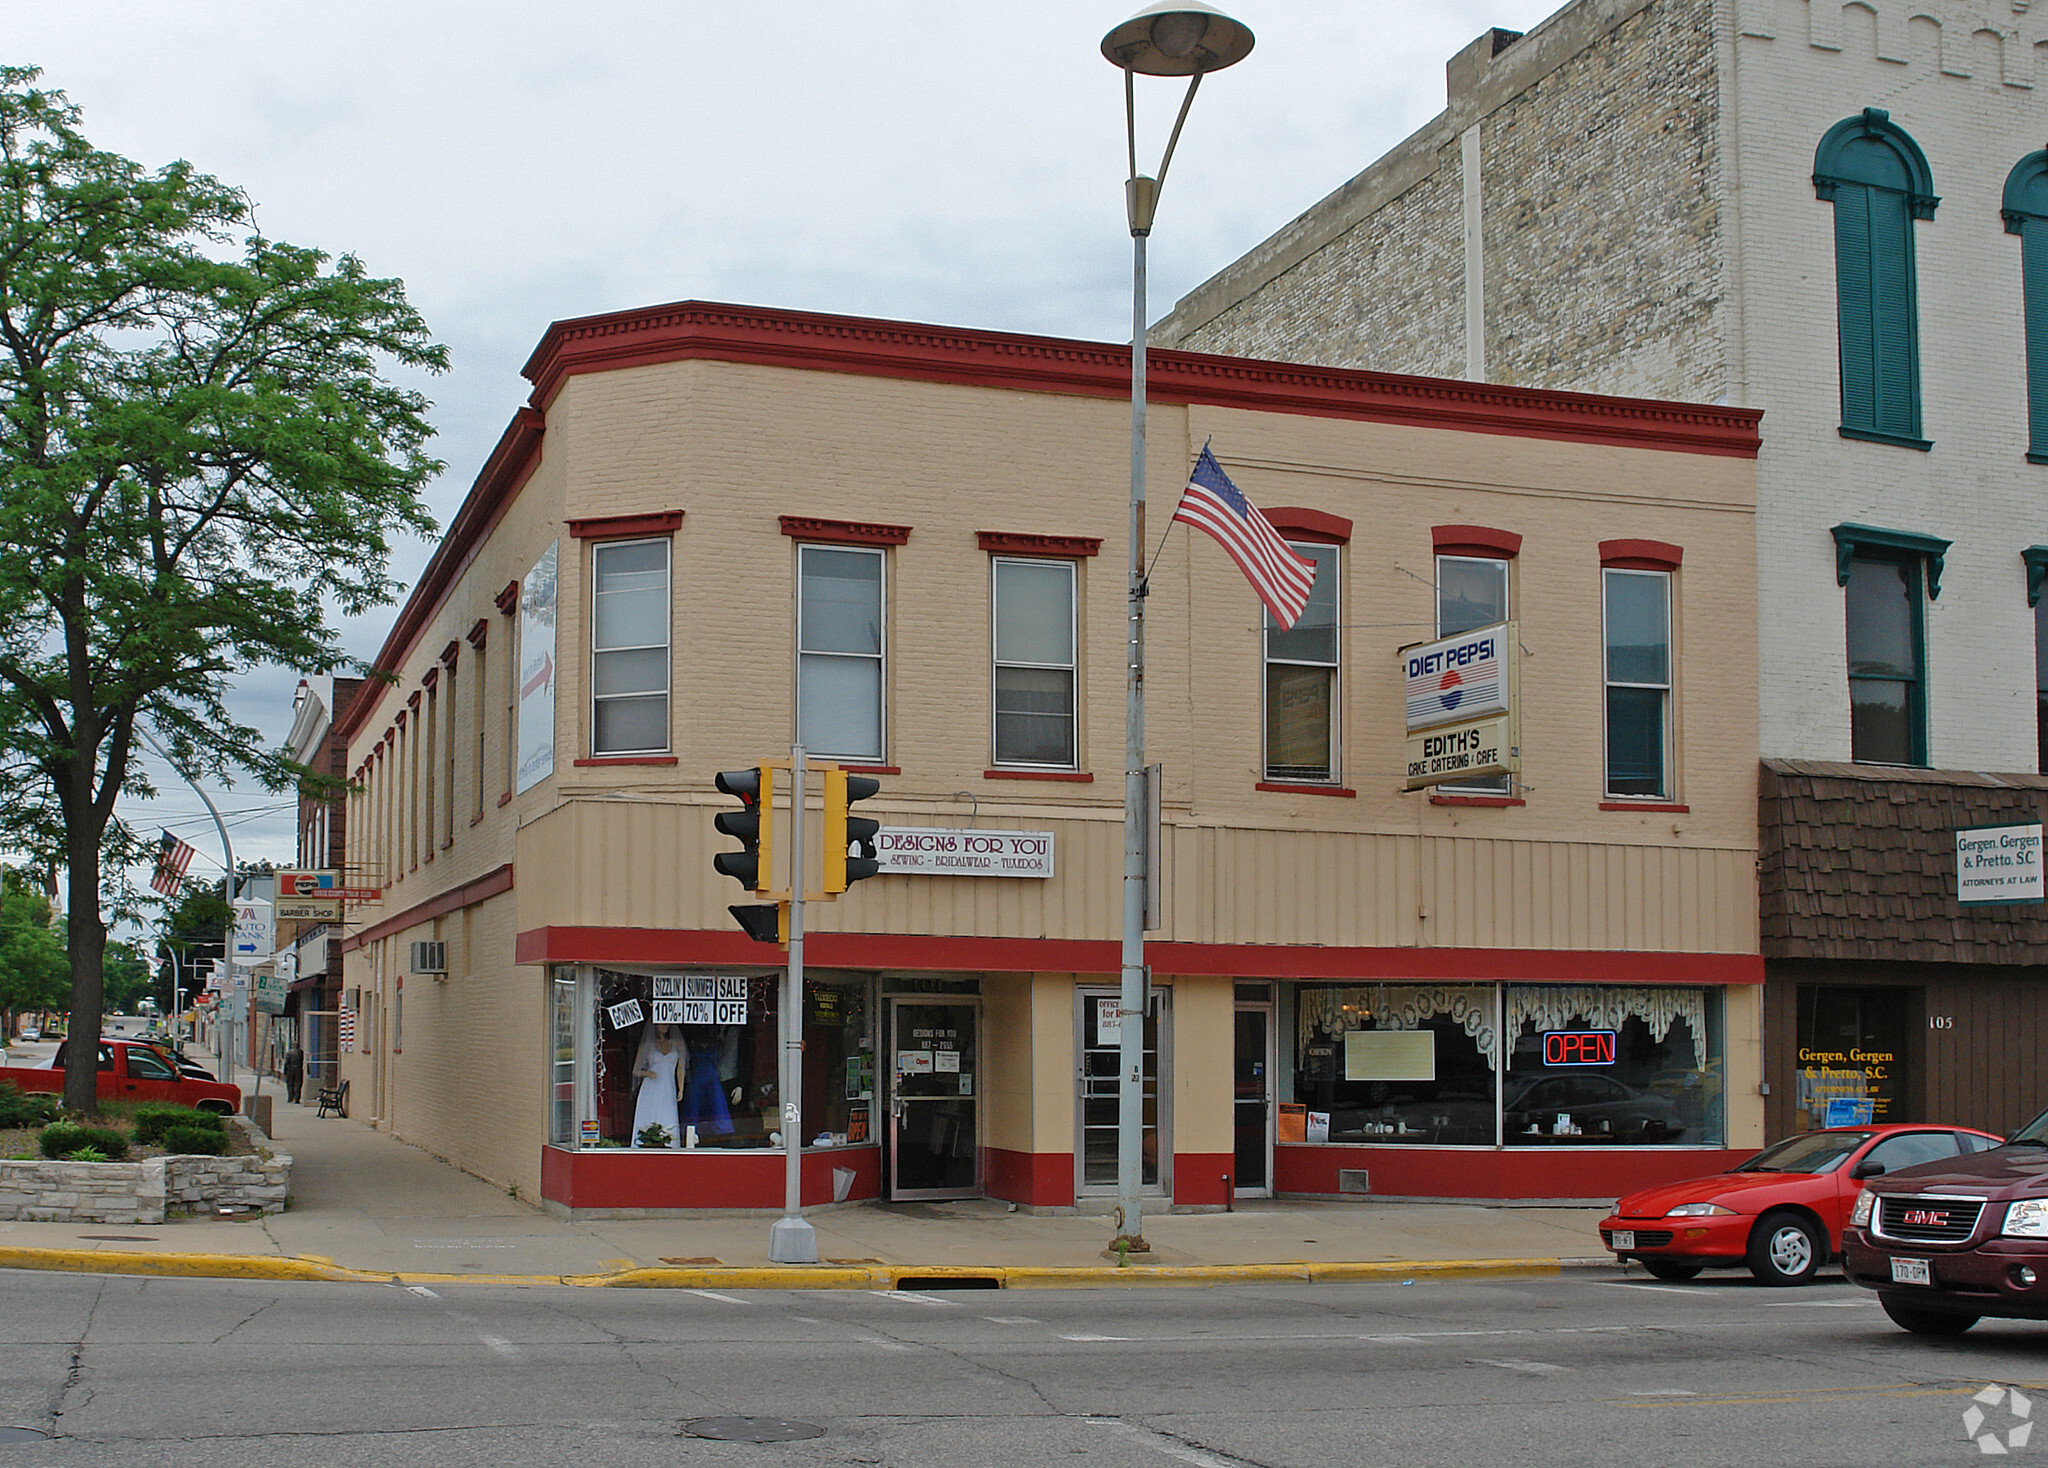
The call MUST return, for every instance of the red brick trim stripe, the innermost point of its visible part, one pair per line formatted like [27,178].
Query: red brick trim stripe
[1078,777]
[479,634]
[469,894]
[1104,956]
[1496,802]
[843,532]
[619,527]
[1641,555]
[507,600]
[1289,789]
[1653,807]
[1015,543]
[1475,540]
[1297,523]
[625,759]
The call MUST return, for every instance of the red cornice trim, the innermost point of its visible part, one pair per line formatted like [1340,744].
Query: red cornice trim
[1475,540]
[843,532]
[427,680]
[1078,777]
[1653,806]
[618,527]
[398,722]
[479,634]
[1092,956]
[451,652]
[1288,789]
[412,699]
[1010,542]
[1495,802]
[704,330]
[1312,525]
[625,759]
[1641,555]
[454,900]
[504,474]
[507,600]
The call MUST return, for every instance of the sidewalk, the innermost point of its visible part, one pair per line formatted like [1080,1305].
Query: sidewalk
[364,1206]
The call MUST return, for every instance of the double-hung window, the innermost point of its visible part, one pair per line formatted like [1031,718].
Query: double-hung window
[1034,663]
[1471,592]
[629,647]
[1887,576]
[2036,559]
[1301,681]
[1636,621]
[840,651]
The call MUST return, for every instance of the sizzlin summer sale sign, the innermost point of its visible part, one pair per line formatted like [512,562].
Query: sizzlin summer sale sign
[1463,697]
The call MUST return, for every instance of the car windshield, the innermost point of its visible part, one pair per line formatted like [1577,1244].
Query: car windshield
[2033,1134]
[1815,1152]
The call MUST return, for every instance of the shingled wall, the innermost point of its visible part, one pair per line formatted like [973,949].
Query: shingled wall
[1859,862]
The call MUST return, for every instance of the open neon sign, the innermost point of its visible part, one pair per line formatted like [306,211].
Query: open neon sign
[1578,1047]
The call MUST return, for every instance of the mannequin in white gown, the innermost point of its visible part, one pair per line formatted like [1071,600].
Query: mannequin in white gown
[655,1068]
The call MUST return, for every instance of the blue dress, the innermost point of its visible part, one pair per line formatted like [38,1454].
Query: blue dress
[704,1090]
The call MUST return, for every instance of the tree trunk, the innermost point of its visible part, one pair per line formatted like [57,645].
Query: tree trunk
[86,943]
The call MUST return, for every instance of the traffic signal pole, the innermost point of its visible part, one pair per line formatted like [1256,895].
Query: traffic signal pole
[791,1239]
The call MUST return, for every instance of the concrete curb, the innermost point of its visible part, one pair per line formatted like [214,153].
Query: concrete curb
[312,1269]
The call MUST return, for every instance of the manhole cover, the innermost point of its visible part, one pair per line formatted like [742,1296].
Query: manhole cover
[752,1429]
[23,1435]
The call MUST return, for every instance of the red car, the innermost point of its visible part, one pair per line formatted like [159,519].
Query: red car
[1781,1213]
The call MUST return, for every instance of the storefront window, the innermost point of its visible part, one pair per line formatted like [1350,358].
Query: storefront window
[1596,1064]
[1393,1063]
[692,1060]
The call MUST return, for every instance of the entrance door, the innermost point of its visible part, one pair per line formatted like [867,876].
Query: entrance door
[1097,1028]
[1855,1048]
[1254,1103]
[934,1132]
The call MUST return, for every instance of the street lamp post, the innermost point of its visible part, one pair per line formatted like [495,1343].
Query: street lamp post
[1175,38]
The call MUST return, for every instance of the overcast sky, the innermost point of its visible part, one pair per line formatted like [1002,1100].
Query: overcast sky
[516,163]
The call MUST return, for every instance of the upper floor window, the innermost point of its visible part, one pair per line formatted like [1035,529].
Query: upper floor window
[840,651]
[1883,573]
[1301,680]
[1879,182]
[1472,592]
[1034,663]
[1636,620]
[2036,558]
[2026,215]
[629,642]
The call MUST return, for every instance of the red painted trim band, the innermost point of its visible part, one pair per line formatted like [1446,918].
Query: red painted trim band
[1016,543]
[869,769]
[1104,956]
[1491,802]
[1313,525]
[1641,555]
[1475,540]
[1078,777]
[624,759]
[618,527]
[1284,789]
[843,532]
[1648,805]
[454,900]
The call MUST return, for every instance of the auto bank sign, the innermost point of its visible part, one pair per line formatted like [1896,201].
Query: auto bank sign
[1461,696]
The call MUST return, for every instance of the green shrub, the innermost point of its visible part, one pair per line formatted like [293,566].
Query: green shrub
[155,1118]
[20,1108]
[64,1138]
[196,1140]
[86,1154]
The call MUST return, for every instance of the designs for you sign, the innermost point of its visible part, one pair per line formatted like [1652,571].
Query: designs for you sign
[1463,706]
[1998,864]
[951,852]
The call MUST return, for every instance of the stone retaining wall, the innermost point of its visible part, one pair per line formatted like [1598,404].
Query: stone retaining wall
[145,1192]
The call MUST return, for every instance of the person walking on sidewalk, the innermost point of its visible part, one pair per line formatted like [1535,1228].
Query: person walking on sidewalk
[294,1073]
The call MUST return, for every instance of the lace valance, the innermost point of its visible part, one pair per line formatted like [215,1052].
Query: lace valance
[1398,1007]
[1606,1007]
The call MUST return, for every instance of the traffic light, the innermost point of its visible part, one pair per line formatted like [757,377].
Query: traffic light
[764,922]
[753,864]
[842,831]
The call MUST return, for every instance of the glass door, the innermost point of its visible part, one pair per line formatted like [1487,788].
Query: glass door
[1254,1101]
[1099,1039]
[934,1132]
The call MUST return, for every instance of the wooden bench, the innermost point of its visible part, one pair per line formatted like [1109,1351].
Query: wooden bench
[334,1099]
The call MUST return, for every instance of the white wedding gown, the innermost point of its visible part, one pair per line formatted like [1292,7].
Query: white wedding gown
[657,1103]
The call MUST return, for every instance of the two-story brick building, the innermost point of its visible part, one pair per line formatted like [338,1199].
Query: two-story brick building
[716,529]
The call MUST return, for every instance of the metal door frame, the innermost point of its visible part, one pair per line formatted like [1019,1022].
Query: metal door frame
[1163,1063]
[894,1005]
[1269,1010]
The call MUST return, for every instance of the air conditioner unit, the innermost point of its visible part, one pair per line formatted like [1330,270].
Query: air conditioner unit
[430,957]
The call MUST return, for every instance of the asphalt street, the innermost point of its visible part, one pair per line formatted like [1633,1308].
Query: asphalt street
[1583,1370]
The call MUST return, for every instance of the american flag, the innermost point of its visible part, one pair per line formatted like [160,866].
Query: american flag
[1213,504]
[172,857]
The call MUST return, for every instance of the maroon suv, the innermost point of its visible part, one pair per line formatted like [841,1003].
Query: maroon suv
[1948,1243]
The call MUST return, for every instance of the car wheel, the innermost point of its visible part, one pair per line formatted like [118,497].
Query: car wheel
[1785,1249]
[1671,1268]
[1926,1322]
[218,1108]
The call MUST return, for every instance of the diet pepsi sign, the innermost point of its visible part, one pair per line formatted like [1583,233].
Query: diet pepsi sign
[1456,679]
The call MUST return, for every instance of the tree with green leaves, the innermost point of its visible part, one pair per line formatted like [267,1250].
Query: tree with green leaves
[33,970]
[202,457]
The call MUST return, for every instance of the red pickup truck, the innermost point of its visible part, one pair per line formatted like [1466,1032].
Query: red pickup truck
[131,1071]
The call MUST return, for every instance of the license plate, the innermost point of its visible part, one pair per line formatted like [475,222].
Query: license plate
[1624,1238]
[1911,1271]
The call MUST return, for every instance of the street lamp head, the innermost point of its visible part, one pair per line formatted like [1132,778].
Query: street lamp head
[1178,38]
